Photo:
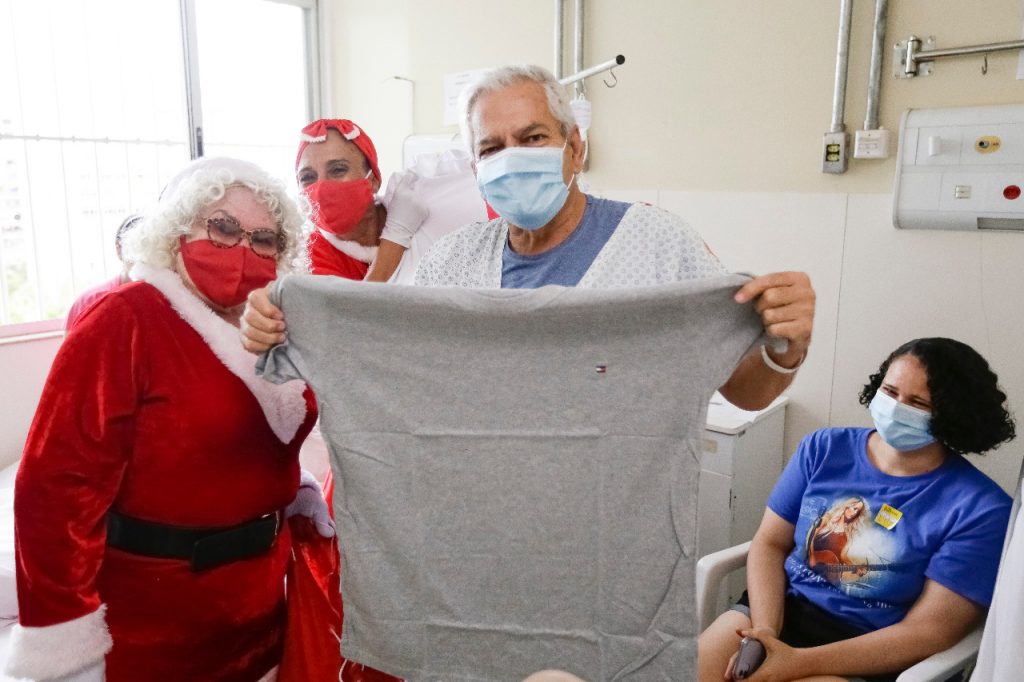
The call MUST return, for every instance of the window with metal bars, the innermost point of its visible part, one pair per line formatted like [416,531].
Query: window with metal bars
[102,101]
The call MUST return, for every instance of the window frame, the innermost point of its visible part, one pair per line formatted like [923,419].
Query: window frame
[19,330]
[190,51]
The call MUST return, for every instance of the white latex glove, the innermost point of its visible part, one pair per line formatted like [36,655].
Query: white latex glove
[310,502]
[406,211]
[94,673]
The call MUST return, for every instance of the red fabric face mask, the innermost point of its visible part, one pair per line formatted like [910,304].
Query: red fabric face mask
[225,276]
[338,206]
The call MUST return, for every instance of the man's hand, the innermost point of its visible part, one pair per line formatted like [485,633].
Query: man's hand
[262,323]
[785,302]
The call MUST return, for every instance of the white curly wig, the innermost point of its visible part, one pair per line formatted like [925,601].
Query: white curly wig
[154,241]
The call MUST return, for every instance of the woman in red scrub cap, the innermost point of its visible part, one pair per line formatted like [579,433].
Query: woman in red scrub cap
[357,237]
[354,237]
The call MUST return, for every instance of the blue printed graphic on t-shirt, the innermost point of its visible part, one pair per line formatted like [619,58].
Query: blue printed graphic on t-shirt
[565,264]
[866,541]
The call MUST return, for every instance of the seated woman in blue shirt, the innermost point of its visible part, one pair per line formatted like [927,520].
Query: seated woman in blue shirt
[879,547]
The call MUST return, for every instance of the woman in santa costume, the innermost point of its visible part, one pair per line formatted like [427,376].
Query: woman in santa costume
[150,499]
[353,237]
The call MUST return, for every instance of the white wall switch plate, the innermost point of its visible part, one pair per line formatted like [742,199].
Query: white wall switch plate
[872,144]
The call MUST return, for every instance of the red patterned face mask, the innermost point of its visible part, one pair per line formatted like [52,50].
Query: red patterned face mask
[338,206]
[225,276]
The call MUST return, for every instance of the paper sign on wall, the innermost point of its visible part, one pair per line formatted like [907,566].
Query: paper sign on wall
[454,83]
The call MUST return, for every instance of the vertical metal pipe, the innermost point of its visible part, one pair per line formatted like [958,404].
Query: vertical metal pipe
[193,100]
[875,71]
[842,65]
[578,45]
[559,38]
[310,23]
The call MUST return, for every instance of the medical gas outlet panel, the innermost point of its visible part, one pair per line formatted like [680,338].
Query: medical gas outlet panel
[961,169]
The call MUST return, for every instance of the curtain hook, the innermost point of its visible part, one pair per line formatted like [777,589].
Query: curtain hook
[984,66]
[615,79]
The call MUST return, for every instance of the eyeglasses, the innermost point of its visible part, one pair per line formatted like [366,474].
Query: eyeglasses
[225,232]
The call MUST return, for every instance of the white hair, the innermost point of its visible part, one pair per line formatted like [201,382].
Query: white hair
[154,241]
[505,76]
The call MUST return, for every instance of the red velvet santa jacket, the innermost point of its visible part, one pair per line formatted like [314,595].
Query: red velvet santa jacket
[327,259]
[152,409]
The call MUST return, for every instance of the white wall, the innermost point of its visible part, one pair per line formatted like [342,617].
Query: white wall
[877,287]
[718,115]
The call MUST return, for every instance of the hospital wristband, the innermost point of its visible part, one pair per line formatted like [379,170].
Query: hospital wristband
[776,367]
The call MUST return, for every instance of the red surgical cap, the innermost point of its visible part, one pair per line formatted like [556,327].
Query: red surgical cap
[317,132]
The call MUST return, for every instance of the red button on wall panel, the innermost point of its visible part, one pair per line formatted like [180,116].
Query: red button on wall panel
[1011,191]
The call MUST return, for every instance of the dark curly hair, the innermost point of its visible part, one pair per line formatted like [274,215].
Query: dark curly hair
[968,408]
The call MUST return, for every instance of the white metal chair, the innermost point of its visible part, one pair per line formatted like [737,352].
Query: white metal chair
[945,665]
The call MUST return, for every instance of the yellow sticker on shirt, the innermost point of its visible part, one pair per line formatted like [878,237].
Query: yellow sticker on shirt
[888,517]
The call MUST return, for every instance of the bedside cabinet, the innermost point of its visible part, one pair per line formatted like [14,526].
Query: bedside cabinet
[741,459]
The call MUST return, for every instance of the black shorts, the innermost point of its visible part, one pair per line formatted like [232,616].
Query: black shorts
[806,625]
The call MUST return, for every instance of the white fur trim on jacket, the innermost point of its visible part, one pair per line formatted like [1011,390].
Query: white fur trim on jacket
[362,253]
[283,404]
[44,653]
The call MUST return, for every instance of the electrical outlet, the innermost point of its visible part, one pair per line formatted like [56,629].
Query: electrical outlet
[871,144]
[835,152]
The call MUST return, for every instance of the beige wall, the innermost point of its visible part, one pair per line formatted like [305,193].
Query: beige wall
[718,116]
[720,95]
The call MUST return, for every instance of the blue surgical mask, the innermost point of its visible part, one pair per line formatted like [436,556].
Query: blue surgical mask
[901,426]
[524,185]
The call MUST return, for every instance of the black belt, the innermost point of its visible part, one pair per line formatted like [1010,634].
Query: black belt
[203,547]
